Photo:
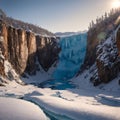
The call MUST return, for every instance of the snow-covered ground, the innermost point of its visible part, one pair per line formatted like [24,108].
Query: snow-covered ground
[16,109]
[40,76]
[85,102]
[82,102]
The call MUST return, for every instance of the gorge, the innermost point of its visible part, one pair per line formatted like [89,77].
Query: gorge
[69,77]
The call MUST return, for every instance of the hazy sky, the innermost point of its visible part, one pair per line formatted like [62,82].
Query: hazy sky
[57,15]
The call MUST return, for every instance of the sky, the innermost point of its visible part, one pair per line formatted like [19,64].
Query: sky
[57,15]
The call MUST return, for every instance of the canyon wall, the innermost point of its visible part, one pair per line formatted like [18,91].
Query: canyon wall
[98,33]
[23,48]
[108,60]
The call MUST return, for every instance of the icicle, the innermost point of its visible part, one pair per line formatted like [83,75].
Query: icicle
[66,43]
[70,55]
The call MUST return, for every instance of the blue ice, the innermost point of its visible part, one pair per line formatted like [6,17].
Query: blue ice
[71,57]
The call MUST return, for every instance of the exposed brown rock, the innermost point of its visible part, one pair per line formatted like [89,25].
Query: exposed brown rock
[2,69]
[21,48]
[3,33]
[107,73]
[31,44]
[2,48]
[92,43]
[108,60]
[98,34]
[47,51]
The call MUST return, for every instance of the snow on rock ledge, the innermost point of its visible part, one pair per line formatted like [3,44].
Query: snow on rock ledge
[108,60]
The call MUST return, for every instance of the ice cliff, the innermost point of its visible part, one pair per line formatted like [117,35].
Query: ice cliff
[71,57]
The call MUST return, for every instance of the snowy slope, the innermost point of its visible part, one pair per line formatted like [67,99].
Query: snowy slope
[15,109]
[85,102]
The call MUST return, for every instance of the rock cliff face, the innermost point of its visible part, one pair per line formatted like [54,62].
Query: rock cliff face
[108,59]
[2,70]
[3,48]
[47,49]
[17,49]
[95,36]
[21,48]
[98,33]
[31,45]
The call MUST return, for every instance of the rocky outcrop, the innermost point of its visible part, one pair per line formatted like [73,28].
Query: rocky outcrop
[2,70]
[17,49]
[4,42]
[95,36]
[3,48]
[47,51]
[108,60]
[98,33]
[22,48]
[31,45]
[92,42]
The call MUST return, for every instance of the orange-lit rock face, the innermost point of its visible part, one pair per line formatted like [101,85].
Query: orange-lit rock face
[3,34]
[31,44]
[100,30]
[2,70]
[17,49]
[3,47]
[21,48]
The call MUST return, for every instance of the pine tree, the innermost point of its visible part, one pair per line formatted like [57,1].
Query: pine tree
[2,14]
[105,15]
[92,24]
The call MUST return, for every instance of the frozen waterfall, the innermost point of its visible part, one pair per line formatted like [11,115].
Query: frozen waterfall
[71,57]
